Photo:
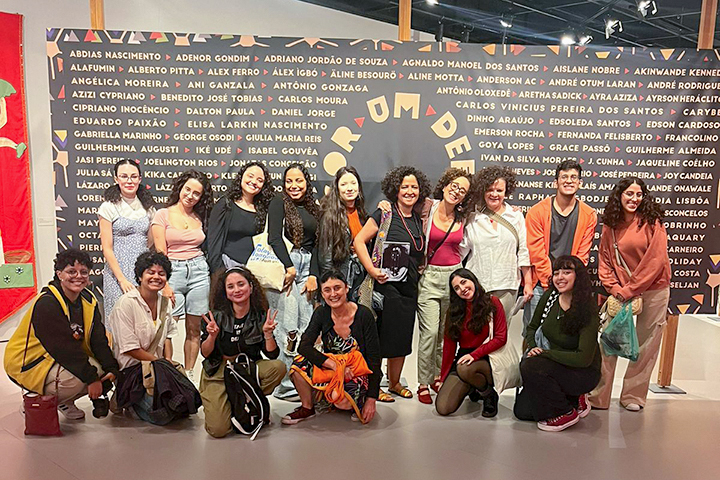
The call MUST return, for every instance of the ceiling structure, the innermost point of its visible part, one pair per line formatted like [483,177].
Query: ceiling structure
[541,22]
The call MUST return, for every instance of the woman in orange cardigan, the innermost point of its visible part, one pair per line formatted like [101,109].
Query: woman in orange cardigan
[632,221]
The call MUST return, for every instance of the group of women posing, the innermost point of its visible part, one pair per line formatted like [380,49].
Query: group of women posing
[377,272]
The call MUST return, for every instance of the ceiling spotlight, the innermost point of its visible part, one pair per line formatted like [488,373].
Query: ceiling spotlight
[612,26]
[432,2]
[647,7]
[506,22]
[585,39]
[567,39]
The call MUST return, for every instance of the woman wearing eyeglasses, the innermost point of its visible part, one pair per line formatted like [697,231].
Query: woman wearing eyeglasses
[443,225]
[124,218]
[633,261]
[60,347]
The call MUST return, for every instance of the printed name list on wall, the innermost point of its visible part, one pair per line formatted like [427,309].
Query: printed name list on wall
[214,102]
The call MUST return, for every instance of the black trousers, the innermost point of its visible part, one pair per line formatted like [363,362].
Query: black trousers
[551,389]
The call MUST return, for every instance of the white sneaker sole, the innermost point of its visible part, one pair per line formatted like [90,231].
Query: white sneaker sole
[294,421]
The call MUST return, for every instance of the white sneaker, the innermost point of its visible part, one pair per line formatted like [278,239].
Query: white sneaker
[632,407]
[191,375]
[70,411]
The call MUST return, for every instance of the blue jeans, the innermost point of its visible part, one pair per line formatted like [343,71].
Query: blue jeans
[530,306]
[190,280]
[294,312]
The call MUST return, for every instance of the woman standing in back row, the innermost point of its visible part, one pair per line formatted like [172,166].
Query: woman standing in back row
[124,219]
[394,268]
[294,214]
[633,262]
[179,232]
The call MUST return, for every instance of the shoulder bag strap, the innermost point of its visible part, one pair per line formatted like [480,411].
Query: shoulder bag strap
[447,234]
[618,258]
[504,223]
[163,320]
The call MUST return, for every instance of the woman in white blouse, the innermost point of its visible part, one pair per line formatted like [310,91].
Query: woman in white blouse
[494,240]
[124,219]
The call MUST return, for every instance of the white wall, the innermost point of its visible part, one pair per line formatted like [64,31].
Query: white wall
[258,17]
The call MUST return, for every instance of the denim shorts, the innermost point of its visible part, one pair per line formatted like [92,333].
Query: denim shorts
[190,280]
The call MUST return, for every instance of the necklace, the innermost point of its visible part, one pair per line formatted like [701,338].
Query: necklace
[412,237]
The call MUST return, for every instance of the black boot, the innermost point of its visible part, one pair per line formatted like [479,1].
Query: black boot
[490,403]
[474,395]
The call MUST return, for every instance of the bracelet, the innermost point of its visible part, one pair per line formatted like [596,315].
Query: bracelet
[271,337]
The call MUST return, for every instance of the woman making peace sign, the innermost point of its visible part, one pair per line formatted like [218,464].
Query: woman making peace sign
[239,322]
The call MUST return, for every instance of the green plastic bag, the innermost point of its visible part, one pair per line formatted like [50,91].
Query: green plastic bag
[620,336]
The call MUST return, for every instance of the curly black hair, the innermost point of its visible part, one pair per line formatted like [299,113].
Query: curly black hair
[148,259]
[204,205]
[69,257]
[450,174]
[219,300]
[482,307]
[293,221]
[262,198]
[485,178]
[393,179]
[334,221]
[649,210]
[583,306]
[112,193]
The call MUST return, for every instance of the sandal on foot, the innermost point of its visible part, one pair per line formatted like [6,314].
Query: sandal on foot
[435,385]
[423,395]
[402,392]
[385,397]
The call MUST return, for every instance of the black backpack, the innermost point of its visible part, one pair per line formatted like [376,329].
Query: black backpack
[250,408]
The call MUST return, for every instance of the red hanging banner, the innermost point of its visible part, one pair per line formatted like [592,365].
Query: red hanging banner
[17,250]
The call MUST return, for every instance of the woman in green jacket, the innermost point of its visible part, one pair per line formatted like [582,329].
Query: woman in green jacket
[562,362]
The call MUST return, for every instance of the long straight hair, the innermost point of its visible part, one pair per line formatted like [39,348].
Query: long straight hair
[334,223]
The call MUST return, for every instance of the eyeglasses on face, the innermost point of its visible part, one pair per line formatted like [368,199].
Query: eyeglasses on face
[134,177]
[455,187]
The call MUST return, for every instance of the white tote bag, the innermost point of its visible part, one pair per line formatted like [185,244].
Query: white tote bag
[263,262]
[505,365]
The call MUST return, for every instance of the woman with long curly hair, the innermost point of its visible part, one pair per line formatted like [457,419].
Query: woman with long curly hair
[178,232]
[562,362]
[394,267]
[444,229]
[239,322]
[124,219]
[469,338]
[495,238]
[633,261]
[238,216]
[294,214]
[343,216]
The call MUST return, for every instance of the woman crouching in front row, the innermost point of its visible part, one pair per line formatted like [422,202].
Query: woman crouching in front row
[563,360]
[239,323]
[476,322]
[348,373]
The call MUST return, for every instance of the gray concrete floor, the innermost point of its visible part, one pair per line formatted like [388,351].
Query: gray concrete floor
[675,437]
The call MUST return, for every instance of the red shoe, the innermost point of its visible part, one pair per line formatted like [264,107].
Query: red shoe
[583,407]
[298,415]
[423,394]
[560,423]
[435,385]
